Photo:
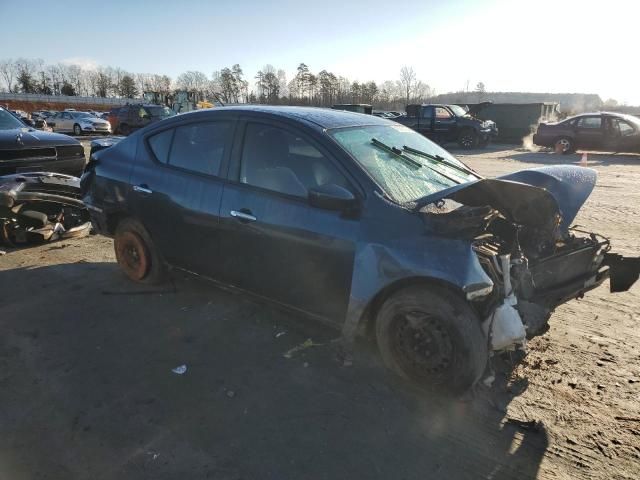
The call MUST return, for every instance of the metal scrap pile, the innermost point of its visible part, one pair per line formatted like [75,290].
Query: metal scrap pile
[41,207]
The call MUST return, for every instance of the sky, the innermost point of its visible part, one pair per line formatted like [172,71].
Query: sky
[556,46]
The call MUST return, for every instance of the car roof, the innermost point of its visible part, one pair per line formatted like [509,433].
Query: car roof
[319,117]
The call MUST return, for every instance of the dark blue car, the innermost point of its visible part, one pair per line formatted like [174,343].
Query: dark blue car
[356,220]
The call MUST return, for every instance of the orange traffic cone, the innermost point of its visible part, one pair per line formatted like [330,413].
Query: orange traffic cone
[583,160]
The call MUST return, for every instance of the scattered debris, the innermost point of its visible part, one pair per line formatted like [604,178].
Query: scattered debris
[305,364]
[180,370]
[308,343]
[2,252]
[279,334]
[231,393]
[573,383]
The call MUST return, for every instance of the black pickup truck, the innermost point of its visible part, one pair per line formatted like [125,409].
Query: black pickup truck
[450,123]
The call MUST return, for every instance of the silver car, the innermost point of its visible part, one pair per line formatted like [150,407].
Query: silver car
[78,123]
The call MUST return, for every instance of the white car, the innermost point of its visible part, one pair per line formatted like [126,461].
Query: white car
[78,123]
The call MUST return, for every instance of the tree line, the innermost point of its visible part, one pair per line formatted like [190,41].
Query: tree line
[230,84]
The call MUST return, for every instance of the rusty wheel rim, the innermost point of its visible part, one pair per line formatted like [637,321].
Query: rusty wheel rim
[132,255]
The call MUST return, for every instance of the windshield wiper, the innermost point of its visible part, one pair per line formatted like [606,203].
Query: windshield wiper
[398,153]
[439,159]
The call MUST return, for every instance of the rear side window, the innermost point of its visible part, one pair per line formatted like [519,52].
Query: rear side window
[200,147]
[590,122]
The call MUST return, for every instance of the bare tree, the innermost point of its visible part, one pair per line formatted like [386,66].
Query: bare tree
[8,72]
[407,80]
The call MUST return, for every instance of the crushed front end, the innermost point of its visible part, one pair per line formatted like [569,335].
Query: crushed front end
[518,228]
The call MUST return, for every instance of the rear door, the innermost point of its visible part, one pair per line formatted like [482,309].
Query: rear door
[177,190]
[274,243]
[590,132]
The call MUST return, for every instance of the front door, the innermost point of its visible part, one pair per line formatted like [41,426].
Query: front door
[444,125]
[177,190]
[274,243]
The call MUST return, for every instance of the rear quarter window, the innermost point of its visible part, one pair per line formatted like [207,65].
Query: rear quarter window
[160,144]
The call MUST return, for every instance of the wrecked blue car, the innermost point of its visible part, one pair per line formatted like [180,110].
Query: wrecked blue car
[358,221]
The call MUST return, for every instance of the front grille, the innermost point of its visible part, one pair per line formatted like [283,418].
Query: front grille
[70,151]
[28,153]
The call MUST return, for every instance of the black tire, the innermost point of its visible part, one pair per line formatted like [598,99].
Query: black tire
[455,348]
[124,129]
[566,143]
[77,131]
[468,139]
[136,253]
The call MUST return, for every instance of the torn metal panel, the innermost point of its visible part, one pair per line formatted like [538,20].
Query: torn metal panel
[41,207]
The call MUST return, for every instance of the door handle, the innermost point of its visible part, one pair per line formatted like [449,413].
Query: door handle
[243,216]
[143,188]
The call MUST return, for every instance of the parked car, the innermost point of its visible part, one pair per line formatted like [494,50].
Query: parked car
[130,118]
[449,123]
[23,149]
[606,131]
[356,220]
[78,123]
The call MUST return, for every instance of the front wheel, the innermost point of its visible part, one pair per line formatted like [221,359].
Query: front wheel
[468,139]
[432,337]
[77,131]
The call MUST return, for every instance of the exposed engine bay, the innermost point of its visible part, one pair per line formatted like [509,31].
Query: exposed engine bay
[41,207]
[536,262]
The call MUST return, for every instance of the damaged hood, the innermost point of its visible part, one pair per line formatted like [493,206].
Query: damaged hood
[529,197]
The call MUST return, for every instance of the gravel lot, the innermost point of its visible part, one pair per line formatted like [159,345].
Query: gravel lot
[87,388]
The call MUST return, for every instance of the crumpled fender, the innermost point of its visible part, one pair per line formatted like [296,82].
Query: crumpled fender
[378,266]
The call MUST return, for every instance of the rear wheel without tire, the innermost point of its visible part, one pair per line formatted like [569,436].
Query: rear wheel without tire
[565,145]
[432,338]
[136,254]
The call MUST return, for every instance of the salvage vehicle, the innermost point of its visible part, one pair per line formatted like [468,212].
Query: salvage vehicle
[450,123]
[356,220]
[24,149]
[78,123]
[41,207]
[130,118]
[612,132]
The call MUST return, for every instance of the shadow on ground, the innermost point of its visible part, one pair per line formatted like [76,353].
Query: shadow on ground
[88,392]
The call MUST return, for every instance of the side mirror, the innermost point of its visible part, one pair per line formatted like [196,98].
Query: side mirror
[331,197]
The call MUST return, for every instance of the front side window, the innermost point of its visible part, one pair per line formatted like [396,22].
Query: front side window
[403,181]
[442,113]
[281,161]
[590,122]
[427,112]
[160,144]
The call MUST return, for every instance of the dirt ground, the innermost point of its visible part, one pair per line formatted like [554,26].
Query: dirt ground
[87,388]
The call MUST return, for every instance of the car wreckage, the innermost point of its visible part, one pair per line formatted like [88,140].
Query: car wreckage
[359,221]
[41,207]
